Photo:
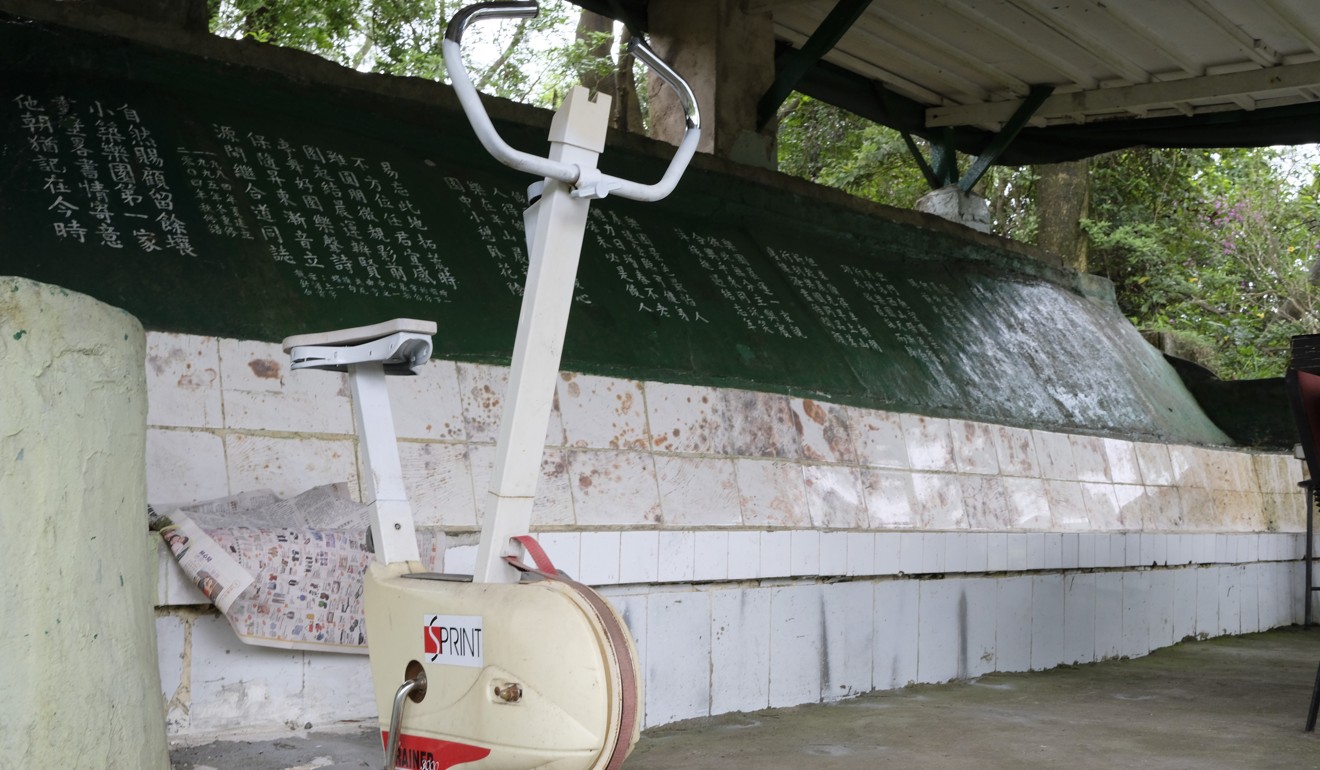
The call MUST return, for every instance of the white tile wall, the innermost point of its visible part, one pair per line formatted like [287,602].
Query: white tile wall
[894,656]
[797,615]
[678,669]
[740,650]
[693,466]
[849,638]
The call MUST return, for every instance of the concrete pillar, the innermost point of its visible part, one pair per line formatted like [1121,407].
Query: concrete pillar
[79,682]
[951,203]
[728,56]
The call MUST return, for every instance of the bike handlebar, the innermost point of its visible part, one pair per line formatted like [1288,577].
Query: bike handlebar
[534,164]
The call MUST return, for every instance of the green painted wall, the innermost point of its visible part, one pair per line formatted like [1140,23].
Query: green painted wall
[210,198]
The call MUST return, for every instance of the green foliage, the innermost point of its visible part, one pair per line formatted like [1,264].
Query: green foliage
[532,60]
[833,147]
[1211,245]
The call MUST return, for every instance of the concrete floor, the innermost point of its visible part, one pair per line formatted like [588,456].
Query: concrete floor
[1235,702]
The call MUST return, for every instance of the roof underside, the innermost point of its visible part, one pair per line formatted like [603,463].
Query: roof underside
[1199,73]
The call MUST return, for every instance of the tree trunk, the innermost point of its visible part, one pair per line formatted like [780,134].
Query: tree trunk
[1063,193]
[627,102]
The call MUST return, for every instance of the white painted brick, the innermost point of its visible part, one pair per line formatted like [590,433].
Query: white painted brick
[462,560]
[1018,546]
[939,631]
[183,380]
[888,547]
[481,391]
[996,550]
[1047,621]
[438,480]
[259,392]
[639,557]
[761,425]
[1092,462]
[978,552]
[1013,623]
[613,488]
[632,608]
[1184,603]
[171,656]
[288,466]
[1016,452]
[878,438]
[772,493]
[677,557]
[1086,543]
[974,447]
[834,553]
[711,556]
[896,643]
[687,418]
[1053,550]
[1035,550]
[1068,550]
[804,552]
[1230,601]
[1123,465]
[1136,614]
[1079,619]
[929,443]
[824,428]
[697,491]
[938,500]
[1153,462]
[602,412]
[834,496]
[909,553]
[1207,602]
[428,405]
[849,638]
[1248,591]
[796,645]
[1108,615]
[955,552]
[599,559]
[1055,453]
[890,498]
[1132,548]
[677,675]
[227,675]
[564,549]
[776,548]
[740,650]
[979,596]
[331,683]
[1160,608]
[553,505]
[744,555]
[861,553]
[932,552]
[185,466]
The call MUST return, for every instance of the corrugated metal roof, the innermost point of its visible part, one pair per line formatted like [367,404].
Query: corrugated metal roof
[971,62]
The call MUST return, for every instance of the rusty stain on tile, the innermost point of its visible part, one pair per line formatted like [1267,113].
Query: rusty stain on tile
[265,368]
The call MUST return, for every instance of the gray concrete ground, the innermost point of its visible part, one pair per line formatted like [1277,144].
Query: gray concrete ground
[1235,702]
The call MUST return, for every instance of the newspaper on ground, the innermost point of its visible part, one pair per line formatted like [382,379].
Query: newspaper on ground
[303,560]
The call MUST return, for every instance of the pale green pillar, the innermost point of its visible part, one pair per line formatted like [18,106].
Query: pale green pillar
[79,682]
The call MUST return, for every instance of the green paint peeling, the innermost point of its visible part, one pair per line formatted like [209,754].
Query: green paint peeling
[18,335]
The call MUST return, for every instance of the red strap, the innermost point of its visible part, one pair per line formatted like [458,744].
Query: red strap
[538,554]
